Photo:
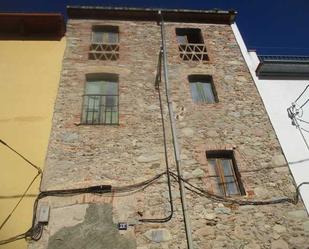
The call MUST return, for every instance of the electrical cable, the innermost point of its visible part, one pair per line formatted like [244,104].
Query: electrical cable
[304,104]
[24,235]
[304,130]
[293,114]
[235,201]
[303,121]
[298,191]
[12,239]
[99,189]
[302,93]
[19,201]
[28,161]
[36,230]
[294,119]
[169,217]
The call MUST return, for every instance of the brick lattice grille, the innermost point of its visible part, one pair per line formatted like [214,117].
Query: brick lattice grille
[100,51]
[193,52]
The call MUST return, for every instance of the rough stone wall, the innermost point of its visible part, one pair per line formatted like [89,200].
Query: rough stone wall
[131,152]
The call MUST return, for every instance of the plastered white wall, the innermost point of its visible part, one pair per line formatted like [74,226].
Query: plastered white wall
[277,95]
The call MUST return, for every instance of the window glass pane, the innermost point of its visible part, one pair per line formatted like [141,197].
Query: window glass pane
[108,116]
[100,102]
[102,87]
[97,36]
[210,98]
[182,39]
[113,37]
[229,177]
[111,88]
[227,165]
[110,101]
[115,117]
[105,37]
[217,185]
[225,181]
[93,109]
[231,186]
[93,87]
[102,109]
[212,167]
[195,95]
[202,92]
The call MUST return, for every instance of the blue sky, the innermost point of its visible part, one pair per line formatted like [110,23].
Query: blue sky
[269,26]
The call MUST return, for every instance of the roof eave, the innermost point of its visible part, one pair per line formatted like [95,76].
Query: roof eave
[147,14]
[31,26]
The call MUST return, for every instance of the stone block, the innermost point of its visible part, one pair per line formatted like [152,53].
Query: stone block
[188,132]
[222,210]
[146,158]
[198,173]
[279,229]
[306,226]
[279,244]
[158,235]
[252,245]
[279,160]
[297,214]
[207,231]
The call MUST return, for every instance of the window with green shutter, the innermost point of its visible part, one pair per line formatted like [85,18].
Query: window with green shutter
[202,89]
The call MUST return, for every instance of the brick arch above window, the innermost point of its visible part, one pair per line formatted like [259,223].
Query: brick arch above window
[105,69]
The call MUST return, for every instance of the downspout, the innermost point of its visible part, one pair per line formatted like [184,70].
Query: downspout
[175,140]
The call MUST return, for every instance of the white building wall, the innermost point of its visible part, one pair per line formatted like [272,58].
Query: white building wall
[277,95]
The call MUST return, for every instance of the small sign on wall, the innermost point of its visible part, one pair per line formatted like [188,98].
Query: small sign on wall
[122,226]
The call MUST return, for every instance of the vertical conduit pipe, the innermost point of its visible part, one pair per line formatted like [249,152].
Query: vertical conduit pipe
[175,140]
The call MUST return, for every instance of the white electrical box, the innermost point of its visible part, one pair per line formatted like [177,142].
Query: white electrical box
[43,216]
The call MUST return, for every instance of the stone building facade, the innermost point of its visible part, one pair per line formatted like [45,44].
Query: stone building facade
[132,151]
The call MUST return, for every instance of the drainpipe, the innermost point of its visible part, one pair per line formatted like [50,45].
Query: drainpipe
[175,140]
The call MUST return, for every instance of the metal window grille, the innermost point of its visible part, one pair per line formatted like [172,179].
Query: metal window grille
[104,43]
[100,51]
[101,99]
[191,44]
[193,52]
[100,109]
